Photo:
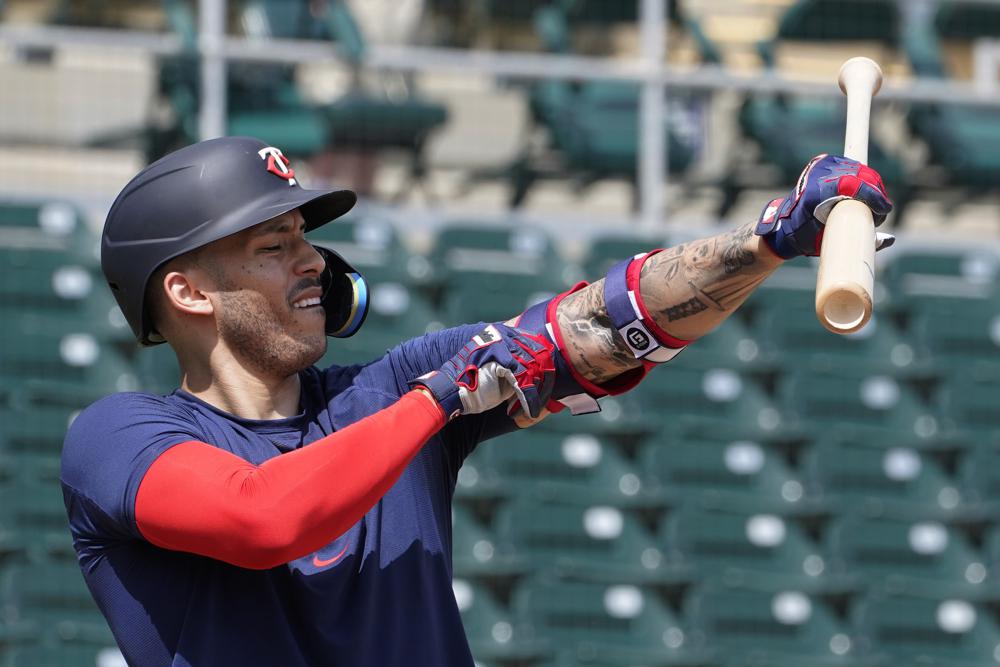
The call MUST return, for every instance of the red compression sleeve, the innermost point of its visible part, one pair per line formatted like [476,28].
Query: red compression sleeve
[204,500]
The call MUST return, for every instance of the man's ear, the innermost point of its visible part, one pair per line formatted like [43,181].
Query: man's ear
[183,292]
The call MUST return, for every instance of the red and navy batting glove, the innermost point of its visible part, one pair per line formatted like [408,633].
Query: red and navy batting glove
[498,363]
[793,226]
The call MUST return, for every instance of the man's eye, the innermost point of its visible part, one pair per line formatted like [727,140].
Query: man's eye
[271,248]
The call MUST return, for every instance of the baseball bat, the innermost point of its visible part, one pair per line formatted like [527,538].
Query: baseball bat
[846,276]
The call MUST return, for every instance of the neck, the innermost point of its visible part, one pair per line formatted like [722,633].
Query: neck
[234,388]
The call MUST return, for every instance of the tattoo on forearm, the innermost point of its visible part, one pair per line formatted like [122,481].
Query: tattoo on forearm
[595,345]
[735,255]
[692,306]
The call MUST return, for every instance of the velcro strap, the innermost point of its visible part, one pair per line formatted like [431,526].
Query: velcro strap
[567,391]
[629,316]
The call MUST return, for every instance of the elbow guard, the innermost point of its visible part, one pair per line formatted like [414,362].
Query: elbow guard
[629,316]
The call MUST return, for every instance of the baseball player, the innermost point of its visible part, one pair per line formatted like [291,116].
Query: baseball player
[269,512]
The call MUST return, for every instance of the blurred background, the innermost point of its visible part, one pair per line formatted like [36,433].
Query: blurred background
[777,495]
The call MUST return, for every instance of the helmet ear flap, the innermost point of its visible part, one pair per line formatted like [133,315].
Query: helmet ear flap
[345,295]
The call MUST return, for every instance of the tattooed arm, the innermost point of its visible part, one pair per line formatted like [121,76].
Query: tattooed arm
[689,290]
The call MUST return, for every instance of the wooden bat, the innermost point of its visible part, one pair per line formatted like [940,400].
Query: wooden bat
[847,258]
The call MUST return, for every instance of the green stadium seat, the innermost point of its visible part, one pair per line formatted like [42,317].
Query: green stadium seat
[737,475]
[576,468]
[621,417]
[396,314]
[740,548]
[963,140]
[474,550]
[613,624]
[598,543]
[62,352]
[62,656]
[913,557]
[917,630]
[715,402]
[914,274]
[54,224]
[969,404]
[787,628]
[606,250]
[463,251]
[957,333]
[876,407]
[731,345]
[979,481]
[34,428]
[791,130]
[59,602]
[491,298]
[492,632]
[796,338]
[373,246]
[879,481]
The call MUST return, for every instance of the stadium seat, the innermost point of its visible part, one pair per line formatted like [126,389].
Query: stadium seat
[787,628]
[736,475]
[621,417]
[715,402]
[599,543]
[917,630]
[62,656]
[796,338]
[397,313]
[35,428]
[968,404]
[791,130]
[59,602]
[879,481]
[491,299]
[373,246]
[606,250]
[61,352]
[978,480]
[575,467]
[740,548]
[613,624]
[55,224]
[492,632]
[957,333]
[914,557]
[961,139]
[464,251]
[731,345]
[34,517]
[474,550]
[917,274]
[591,128]
[876,407]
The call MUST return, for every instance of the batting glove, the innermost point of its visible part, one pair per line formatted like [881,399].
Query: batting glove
[499,362]
[794,225]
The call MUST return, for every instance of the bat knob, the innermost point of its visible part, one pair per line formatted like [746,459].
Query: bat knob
[862,72]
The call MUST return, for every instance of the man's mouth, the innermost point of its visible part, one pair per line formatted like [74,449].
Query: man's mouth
[309,302]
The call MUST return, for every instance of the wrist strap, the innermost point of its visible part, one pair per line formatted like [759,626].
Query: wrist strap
[629,316]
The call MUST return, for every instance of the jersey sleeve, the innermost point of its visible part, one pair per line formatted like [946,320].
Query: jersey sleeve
[107,451]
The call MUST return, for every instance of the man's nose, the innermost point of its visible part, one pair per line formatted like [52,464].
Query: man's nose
[311,261]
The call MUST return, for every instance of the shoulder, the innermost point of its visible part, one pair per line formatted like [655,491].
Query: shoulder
[121,426]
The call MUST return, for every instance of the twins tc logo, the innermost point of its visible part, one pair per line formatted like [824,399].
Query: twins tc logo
[277,163]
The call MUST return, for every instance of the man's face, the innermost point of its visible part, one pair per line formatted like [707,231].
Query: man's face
[267,291]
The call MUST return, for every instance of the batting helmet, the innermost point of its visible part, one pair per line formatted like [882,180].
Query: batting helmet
[203,193]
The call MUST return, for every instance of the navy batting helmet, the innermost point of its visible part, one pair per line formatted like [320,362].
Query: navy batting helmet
[203,193]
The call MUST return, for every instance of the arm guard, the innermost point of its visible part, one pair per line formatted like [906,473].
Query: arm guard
[650,344]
